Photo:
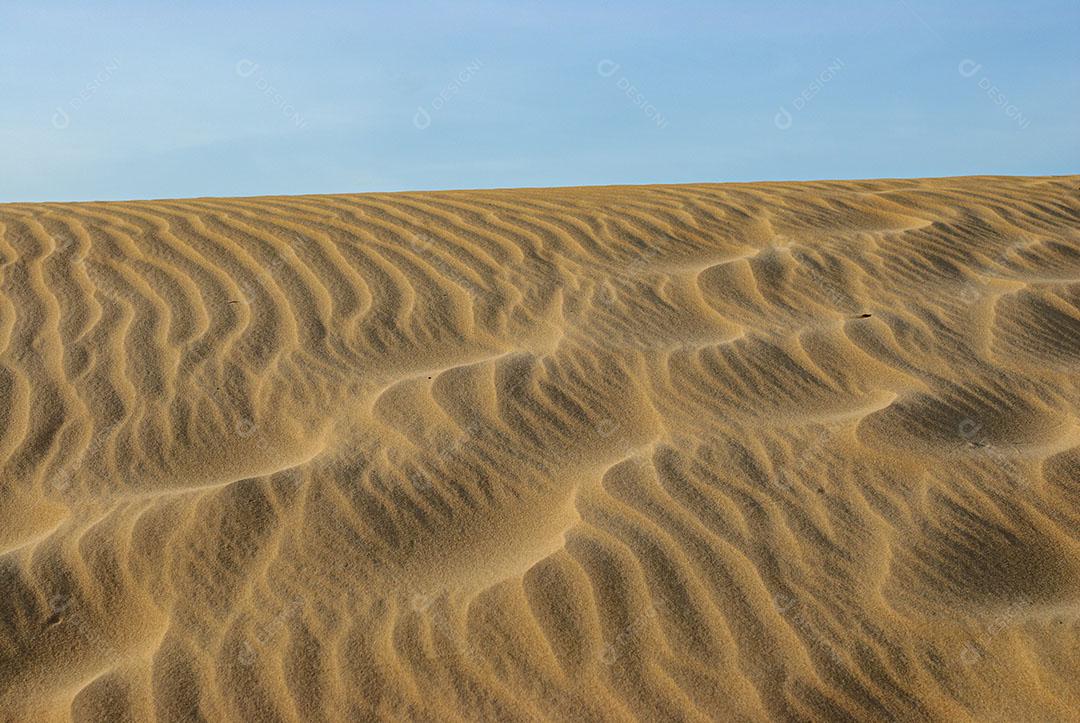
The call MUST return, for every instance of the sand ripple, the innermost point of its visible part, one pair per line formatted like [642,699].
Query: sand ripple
[740,452]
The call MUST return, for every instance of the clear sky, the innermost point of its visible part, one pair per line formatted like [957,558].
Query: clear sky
[146,99]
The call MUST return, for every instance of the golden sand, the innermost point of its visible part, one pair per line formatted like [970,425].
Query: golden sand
[804,451]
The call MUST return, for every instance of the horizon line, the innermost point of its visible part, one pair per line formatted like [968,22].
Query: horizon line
[757,182]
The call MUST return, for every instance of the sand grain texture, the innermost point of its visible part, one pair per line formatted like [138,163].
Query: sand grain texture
[804,451]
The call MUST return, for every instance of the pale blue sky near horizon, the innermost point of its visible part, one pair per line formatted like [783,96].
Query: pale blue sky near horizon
[129,100]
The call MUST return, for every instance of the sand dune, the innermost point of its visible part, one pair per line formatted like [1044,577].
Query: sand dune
[804,451]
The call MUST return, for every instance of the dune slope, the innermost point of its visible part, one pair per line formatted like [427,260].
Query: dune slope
[804,451]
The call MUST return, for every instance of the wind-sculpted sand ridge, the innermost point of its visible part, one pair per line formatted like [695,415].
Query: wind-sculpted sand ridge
[804,451]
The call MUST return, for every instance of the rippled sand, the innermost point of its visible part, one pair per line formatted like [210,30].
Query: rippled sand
[805,451]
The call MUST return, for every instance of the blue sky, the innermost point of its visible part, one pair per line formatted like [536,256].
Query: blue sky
[153,100]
